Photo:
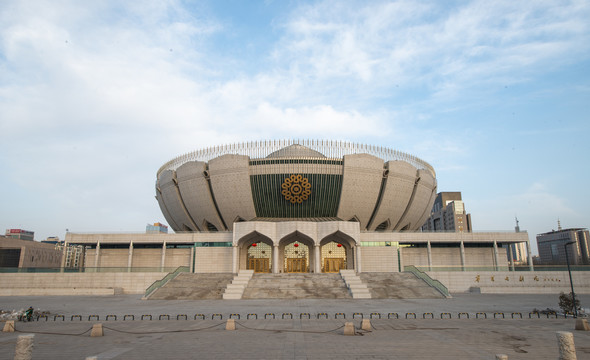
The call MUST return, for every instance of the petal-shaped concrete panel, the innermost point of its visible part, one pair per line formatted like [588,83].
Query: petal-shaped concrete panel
[419,201]
[196,194]
[230,181]
[362,176]
[167,215]
[396,194]
[173,202]
[429,207]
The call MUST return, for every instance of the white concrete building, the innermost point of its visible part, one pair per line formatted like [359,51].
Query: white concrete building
[296,206]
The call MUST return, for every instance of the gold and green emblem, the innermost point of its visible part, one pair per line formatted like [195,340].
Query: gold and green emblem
[296,189]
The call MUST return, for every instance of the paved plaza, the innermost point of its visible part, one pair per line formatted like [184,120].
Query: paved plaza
[428,336]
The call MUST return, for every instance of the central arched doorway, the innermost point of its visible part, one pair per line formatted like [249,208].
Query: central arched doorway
[259,257]
[296,253]
[333,257]
[296,258]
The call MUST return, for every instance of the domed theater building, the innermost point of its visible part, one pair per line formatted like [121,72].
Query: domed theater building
[309,206]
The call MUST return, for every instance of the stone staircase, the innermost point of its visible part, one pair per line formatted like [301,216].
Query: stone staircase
[398,286]
[188,286]
[296,286]
[235,290]
[357,288]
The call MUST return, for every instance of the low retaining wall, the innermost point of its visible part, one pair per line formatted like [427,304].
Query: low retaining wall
[39,284]
[511,282]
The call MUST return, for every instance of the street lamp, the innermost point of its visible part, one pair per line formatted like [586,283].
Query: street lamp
[567,260]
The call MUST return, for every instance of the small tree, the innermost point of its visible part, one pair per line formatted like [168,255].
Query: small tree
[566,303]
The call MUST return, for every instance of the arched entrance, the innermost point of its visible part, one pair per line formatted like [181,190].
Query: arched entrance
[259,257]
[337,252]
[297,253]
[255,253]
[333,257]
[296,258]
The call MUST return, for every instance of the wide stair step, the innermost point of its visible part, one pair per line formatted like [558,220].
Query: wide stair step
[398,286]
[358,289]
[296,286]
[187,286]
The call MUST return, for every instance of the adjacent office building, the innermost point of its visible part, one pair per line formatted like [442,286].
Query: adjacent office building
[20,234]
[552,246]
[448,214]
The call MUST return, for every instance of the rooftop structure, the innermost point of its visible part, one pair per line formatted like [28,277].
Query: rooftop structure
[20,234]
[381,189]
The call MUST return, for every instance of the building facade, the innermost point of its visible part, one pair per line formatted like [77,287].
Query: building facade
[552,247]
[20,234]
[448,214]
[156,228]
[16,253]
[297,206]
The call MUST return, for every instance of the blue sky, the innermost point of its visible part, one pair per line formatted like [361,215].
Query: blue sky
[96,96]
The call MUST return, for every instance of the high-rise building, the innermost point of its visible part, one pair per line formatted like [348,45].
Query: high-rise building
[518,250]
[157,228]
[73,255]
[20,234]
[552,246]
[448,214]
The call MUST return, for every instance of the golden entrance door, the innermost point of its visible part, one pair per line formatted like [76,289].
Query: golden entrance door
[333,264]
[296,265]
[259,265]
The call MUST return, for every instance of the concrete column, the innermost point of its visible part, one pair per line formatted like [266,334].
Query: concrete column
[191,264]
[24,347]
[163,262]
[511,256]
[529,255]
[97,254]
[567,349]
[235,255]
[275,259]
[429,250]
[496,255]
[462,256]
[318,259]
[358,259]
[400,258]
[130,257]
[63,256]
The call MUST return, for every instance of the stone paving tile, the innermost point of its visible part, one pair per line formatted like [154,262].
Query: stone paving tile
[391,338]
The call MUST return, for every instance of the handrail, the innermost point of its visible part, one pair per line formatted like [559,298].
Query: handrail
[159,283]
[430,281]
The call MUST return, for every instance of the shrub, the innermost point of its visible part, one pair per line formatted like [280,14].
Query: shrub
[566,303]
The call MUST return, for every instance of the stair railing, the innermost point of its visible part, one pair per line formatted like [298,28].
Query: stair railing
[430,281]
[159,283]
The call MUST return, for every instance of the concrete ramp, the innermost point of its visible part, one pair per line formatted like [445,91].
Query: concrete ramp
[296,286]
[398,286]
[187,286]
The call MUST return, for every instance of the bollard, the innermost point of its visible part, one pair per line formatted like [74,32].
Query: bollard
[24,347]
[230,324]
[348,328]
[96,330]
[567,349]
[501,357]
[9,326]
[582,324]
[366,325]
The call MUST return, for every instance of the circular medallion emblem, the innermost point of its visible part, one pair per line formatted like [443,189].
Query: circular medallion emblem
[296,189]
